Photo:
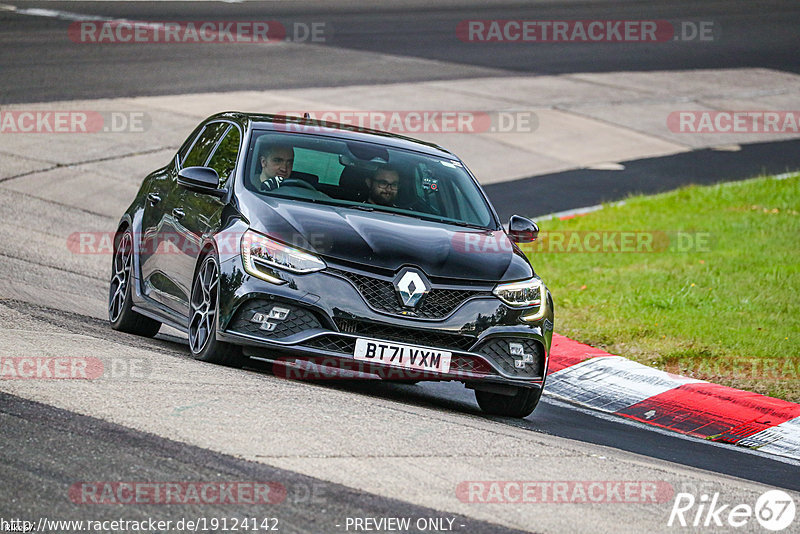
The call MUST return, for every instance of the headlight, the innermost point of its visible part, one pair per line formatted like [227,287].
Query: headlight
[261,254]
[521,294]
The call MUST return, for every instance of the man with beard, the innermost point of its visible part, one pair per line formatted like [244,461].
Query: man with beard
[383,186]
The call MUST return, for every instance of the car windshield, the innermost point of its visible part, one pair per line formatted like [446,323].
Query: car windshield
[364,176]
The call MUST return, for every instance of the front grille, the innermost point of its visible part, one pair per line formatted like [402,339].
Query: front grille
[297,320]
[333,343]
[470,364]
[380,294]
[497,351]
[440,340]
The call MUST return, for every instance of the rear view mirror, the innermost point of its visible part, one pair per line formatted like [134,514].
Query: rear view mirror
[200,179]
[522,230]
[368,152]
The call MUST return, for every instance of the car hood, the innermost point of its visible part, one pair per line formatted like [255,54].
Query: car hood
[390,241]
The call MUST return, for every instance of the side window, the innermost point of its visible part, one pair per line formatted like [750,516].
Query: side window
[198,155]
[323,164]
[188,144]
[224,159]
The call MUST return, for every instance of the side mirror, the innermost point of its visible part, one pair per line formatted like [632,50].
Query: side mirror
[200,179]
[522,230]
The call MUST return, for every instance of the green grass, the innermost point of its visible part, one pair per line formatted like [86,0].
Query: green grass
[727,310]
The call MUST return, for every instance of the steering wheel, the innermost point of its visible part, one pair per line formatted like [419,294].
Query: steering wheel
[296,182]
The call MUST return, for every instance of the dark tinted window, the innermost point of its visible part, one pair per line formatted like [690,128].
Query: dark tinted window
[198,155]
[224,159]
[372,176]
[188,144]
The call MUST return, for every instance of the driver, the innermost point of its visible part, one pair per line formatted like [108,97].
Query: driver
[383,187]
[276,166]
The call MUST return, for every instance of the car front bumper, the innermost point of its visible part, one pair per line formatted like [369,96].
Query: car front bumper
[319,316]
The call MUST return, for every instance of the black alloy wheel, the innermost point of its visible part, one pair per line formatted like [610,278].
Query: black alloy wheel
[120,312]
[203,309]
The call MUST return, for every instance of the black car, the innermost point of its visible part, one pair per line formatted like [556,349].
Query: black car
[371,252]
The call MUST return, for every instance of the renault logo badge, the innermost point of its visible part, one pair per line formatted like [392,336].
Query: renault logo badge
[411,285]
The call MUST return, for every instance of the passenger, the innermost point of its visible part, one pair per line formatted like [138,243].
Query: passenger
[276,166]
[383,187]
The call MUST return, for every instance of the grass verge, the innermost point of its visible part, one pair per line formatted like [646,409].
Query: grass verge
[702,281]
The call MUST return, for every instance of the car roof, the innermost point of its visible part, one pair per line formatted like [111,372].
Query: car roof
[262,121]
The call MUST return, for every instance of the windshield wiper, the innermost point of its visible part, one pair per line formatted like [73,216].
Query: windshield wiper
[362,207]
[469,225]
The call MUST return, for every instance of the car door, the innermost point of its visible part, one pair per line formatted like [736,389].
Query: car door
[161,237]
[151,240]
[202,213]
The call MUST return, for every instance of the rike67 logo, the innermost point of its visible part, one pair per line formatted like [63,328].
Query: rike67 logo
[774,510]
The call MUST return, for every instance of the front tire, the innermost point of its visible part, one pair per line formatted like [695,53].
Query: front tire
[203,308]
[120,312]
[520,405]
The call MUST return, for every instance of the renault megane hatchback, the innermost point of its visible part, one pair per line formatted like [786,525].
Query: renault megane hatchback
[295,241]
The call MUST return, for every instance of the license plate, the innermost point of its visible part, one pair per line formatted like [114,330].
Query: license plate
[401,355]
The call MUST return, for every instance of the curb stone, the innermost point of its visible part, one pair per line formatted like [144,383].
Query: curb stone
[596,379]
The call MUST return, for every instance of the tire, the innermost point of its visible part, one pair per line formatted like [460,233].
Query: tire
[520,405]
[203,309]
[120,312]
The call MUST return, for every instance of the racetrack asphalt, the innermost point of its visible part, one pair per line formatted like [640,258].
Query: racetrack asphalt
[181,420]
[580,188]
[552,417]
[383,42]
[44,482]
[379,449]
